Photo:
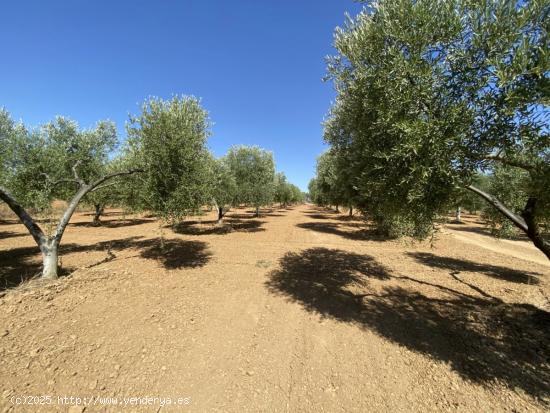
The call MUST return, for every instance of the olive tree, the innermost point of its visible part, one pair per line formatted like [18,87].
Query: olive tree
[282,191]
[55,161]
[314,194]
[431,93]
[223,187]
[168,141]
[254,172]
[328,183]
[296,196]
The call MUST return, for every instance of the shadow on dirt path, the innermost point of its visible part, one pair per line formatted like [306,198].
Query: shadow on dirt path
[21,264]
[483,339]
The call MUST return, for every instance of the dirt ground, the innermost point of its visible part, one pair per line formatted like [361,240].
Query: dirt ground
[300,310]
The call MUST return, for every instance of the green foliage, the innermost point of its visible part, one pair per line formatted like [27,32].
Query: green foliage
[254,172]
[282,189]
[430,93]
[502,184]
[168,140]
[40,163]
[223,184]
[285,192]
[333,184]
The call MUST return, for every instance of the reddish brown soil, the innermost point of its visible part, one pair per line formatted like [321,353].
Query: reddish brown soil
[301,310]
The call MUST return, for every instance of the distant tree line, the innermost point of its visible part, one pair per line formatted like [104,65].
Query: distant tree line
[164,167]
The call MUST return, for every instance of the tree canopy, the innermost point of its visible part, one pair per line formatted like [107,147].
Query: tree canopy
[254,171]
[168,140]
[431,93]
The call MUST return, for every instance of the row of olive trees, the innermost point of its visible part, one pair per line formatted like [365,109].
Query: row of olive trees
[285,192]
[164,167]
[430,96]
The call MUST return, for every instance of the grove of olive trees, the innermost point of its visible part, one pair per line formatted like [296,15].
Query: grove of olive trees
[164,167]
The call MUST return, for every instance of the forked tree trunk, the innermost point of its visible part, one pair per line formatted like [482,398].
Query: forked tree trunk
[49,245]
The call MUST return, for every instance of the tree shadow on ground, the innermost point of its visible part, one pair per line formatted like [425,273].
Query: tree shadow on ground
[21,264]
[343,218]
[11,234]
[494,271]
[484,340]
[176,253]
[322,211]
[109,213]
[336,229]
[320,216]
[240,216]
[228,226]
[113,223]
[323,280]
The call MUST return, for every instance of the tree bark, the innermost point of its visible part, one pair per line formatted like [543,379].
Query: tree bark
[533,232]
[257,212]
[527,222]
[458,215]
[220,215]
[49,258]
[350,211]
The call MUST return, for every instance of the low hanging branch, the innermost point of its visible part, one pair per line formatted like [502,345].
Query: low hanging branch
[526,222]
[516,219]
[33,228]
[49,244]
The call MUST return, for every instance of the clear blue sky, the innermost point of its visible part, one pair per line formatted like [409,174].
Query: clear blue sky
[256,64]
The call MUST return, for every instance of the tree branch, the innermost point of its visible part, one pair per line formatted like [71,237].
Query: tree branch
[509,162]
[75,173]
[516,219]
[114,175]
[84,189]
[59,181]
[97,188]
[23,215]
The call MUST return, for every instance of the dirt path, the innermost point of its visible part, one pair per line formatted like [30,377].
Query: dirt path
[301,310]
[475,233]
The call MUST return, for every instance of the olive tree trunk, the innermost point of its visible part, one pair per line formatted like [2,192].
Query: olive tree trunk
[99,209]
[49,244]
